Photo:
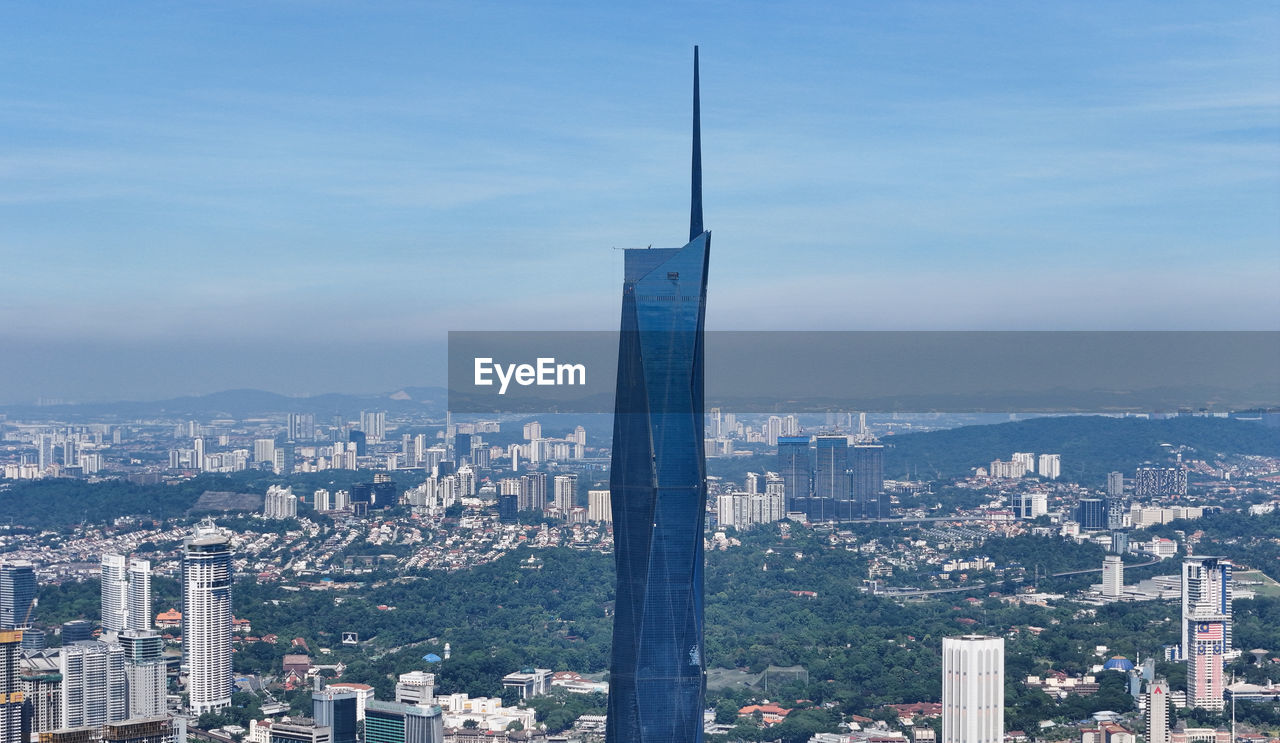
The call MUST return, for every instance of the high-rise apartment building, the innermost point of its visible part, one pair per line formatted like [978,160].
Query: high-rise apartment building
[1206,628]
[1112,576]
[280,503]
[115,593]
[93,684]
[1049,466]
[264,450]
[17,593]
[566,487]
[138,596]
[599,507]
[302,427]
[206,617]
[1115,484]
[533,491]
[973,689]
[1025,460]
[374,425]
[1159,482]
[41,684]
[144,672]
[12,729]
[658,487]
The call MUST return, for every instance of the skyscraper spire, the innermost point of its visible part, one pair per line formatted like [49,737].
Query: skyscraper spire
[695,205]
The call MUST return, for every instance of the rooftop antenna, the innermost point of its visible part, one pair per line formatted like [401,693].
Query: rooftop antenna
[695,205]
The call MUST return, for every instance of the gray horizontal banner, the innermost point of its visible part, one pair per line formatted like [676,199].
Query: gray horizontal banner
[886,371]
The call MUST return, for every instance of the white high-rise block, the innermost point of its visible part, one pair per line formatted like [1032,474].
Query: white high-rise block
[973,689]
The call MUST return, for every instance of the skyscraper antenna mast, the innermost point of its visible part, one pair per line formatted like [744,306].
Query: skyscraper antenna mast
[695,205]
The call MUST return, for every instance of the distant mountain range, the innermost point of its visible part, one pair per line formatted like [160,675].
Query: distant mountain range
[1091,446]
[241,404]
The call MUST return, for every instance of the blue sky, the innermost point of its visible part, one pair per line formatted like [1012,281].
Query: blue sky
[188,189]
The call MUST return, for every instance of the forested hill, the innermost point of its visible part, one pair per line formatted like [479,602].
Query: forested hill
[1091,446]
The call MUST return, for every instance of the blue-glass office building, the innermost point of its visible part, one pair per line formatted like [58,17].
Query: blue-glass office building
[658,487]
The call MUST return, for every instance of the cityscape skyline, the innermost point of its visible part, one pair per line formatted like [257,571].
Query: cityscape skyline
[1001,164]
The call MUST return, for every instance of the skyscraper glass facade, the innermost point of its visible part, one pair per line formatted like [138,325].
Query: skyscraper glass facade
[658,488]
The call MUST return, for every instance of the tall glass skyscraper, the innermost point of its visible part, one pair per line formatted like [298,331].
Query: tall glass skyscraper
[658,487]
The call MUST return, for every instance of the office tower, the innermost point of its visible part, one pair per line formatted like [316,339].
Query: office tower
[1119,542]
[1206,591]
[1091,514]
[144,672]
[866,481]
[1158,711]
[391,722]
[206,617]
[280,503]
[33,639]
[1029,505]
[336,710]
[1025,460]
[1049,466]
[17,593]
[462,449]
[1206,627]
[76,630]
[1115,484]
[12,729]
[795,468]
[302,427]
[361,440]
[830,479]
[300,730]
[1112,576]
[509,508]
[566,487]
[1159,482]
[93,684]
[416,687]
[973,689]
[115,593]
[1116,508]
[658,487]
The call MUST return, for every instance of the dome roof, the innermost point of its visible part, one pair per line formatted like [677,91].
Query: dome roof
[1118,663]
